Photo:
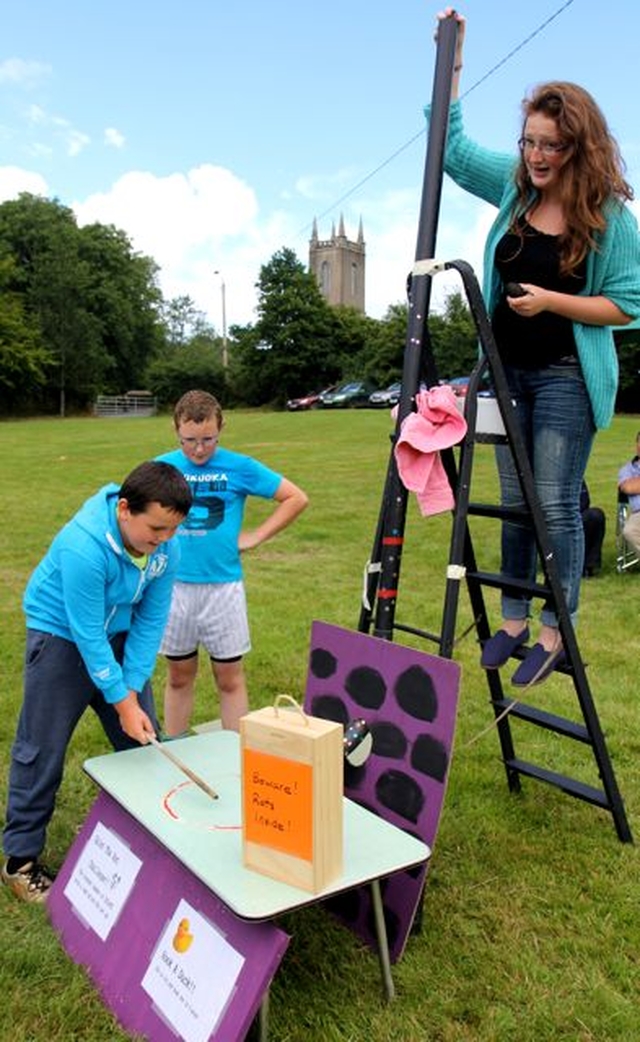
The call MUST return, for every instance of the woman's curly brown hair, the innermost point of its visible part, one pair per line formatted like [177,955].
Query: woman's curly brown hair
[592,176]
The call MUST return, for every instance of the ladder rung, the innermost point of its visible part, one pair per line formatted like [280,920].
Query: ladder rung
[500,582]
[504,513]
[550,721]
[569,785]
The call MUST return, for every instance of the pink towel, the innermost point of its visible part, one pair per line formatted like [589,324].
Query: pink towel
[437,424]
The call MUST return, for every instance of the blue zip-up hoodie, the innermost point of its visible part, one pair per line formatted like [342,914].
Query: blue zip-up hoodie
[87,588]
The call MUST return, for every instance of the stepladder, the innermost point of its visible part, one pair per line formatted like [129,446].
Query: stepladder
[492,420]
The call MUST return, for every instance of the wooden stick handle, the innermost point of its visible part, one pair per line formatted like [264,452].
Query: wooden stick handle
[195,778]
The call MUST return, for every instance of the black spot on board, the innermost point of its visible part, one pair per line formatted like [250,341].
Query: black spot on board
[330,707]
[429,756]
[388,740]
[416,694]
[322,663]
[366,687]
[400,793]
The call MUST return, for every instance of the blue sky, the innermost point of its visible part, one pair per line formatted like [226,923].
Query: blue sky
[213,133]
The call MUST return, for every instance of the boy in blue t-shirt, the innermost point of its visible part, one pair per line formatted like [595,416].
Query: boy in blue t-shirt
[208,605]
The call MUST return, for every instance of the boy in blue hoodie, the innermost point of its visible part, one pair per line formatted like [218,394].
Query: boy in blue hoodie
[96,607]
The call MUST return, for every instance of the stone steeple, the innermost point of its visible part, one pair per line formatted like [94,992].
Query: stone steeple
[339,266]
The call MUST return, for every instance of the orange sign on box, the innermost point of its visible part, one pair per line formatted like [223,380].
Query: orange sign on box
[278,798]
[292,795]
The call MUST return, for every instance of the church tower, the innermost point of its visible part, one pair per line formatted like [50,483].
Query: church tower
[338,265]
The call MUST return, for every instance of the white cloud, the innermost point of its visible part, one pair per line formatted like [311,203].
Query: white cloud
[207,218]
[76,141]
[113,138]
[14,180]
[22,73]
[36,114]
[192,224]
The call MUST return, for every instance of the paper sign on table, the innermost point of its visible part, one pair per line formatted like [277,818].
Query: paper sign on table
[102,880]
[192,974]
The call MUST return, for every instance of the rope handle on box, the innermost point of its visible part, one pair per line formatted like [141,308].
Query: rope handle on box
[292,702]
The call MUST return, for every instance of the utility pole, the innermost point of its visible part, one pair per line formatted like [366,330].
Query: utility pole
[225,353]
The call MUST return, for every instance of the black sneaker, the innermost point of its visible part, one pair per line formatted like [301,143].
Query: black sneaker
[30,883]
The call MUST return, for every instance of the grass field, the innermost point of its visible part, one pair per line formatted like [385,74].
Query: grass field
[530,926]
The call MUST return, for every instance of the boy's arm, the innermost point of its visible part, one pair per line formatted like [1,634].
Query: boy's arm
[84,583]
[149,618]
[291,501]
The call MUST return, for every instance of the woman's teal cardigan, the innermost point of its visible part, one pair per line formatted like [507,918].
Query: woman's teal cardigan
[613,269]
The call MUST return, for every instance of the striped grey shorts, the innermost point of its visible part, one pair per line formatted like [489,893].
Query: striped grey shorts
[211,614]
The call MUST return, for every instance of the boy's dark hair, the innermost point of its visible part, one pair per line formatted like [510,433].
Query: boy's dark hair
[156,482]
[197,406]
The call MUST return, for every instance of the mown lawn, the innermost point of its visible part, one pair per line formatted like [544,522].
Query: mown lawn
[530,928]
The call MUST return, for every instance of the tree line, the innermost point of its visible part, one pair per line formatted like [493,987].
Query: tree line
[82,314]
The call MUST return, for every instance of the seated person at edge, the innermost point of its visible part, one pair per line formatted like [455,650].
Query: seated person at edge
[208,606]
[96,608]
[629,483]
[564,233]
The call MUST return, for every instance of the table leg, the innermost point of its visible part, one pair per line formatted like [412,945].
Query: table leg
[383,943]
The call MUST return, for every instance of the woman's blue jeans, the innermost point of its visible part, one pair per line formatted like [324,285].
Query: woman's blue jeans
[554,413]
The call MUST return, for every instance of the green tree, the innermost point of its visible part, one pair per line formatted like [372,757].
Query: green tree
[42,237]
[91,302]
[292,347]
[354,336]
[387,342]
[123,294]
[196,364]
[454,338]
[24,363]
[182,320]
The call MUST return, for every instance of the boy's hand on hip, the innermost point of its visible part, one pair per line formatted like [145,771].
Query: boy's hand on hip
[133,720]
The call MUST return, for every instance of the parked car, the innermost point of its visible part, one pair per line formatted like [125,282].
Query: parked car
[308,401]
[389,397]
[458,384]
[349,395]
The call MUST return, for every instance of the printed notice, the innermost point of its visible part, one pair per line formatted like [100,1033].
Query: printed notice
[192,974]
[102,880]
[277,796]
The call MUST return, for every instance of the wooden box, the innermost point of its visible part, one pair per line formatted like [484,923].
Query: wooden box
[292,795]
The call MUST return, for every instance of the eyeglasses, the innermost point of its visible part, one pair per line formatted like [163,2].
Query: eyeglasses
[192,443]
[547,148]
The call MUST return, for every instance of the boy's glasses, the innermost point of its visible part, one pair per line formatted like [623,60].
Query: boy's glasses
[192,443]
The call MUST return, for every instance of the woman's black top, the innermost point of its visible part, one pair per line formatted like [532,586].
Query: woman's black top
[528,255]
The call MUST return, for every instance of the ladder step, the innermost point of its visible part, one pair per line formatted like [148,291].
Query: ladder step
[500,582]
[569,785]
[549,721]
[520,514]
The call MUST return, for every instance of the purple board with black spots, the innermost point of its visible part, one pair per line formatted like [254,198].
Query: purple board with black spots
[409,700]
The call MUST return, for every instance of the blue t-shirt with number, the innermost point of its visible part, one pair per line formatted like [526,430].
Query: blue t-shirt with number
[208,537]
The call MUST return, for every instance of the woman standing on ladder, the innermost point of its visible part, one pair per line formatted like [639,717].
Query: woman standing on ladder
[564,236]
